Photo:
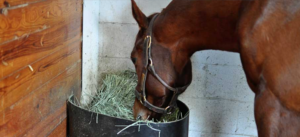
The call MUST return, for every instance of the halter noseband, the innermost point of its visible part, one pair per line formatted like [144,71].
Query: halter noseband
[149,66]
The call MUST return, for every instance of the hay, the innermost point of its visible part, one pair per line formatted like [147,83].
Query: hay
[176,115]
[116,97]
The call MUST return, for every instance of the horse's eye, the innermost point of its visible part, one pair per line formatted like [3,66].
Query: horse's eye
[133,60]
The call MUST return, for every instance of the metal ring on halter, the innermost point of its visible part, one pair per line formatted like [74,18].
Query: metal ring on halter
[151,62]
[168,109]
[141,101]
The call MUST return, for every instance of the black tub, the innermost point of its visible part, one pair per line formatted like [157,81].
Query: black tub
[83,123]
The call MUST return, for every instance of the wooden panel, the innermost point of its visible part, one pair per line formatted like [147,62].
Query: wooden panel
[36,17]
[26,80]
[22,52]
[12,3]
[40,65]
[50,124]
[29,111]
[60,130]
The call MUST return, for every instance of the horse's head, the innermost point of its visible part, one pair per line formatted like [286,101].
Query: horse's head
[163,68]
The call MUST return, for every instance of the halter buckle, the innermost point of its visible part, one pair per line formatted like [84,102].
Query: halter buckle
[150,41]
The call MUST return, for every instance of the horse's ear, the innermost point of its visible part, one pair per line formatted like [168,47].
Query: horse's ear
[139,16]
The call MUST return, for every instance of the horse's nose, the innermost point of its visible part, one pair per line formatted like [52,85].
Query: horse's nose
[142,115]
[139,111]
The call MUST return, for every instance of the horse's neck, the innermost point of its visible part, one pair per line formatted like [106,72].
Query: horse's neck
[199,25]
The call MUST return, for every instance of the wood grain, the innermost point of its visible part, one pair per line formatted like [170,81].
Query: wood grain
[22,52]
[29,111]
[60,131]
[49,124]
[13,3]
[26,80]
[40,65]
[36,17]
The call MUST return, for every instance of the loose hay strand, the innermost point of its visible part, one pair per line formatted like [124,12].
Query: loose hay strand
[139,123]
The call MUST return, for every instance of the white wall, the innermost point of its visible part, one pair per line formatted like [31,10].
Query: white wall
[91,48]
[219,98]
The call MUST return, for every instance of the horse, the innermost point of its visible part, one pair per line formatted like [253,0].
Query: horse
[266,34]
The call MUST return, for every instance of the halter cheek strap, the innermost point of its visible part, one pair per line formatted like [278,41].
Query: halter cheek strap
[149,67]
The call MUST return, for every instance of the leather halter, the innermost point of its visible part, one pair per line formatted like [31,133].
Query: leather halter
[149,66]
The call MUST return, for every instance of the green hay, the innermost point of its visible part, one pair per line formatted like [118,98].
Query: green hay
[116,97]
[176,115]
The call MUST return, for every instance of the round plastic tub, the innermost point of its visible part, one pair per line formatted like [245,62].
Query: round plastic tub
[83,123]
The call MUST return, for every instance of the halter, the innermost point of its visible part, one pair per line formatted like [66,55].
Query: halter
[149,66]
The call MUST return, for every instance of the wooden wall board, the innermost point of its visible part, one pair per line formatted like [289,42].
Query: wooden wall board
[49,124]
[21,22]
[23,82]
[16,3]
[60,130]
[40,65]
[20,53]
[29,111]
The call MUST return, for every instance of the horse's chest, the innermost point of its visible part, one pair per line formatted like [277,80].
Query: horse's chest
[253,31]
[252,60]
[270,53]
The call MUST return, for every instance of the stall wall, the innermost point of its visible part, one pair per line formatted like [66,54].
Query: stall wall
[40,65]
[220,100]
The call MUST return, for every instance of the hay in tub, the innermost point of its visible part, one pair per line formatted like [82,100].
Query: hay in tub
[116,97]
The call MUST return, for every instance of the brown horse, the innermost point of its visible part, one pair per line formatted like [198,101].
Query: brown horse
[266,33]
